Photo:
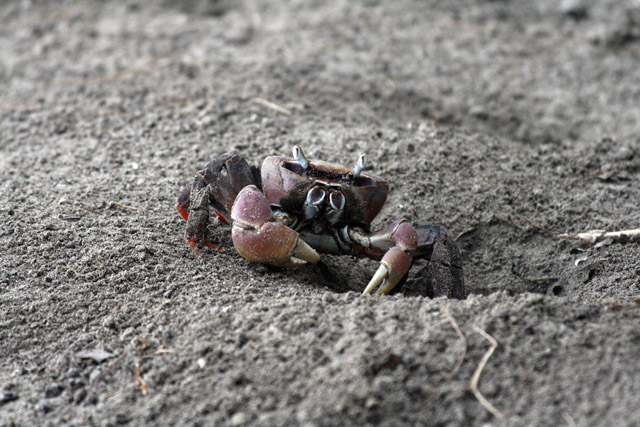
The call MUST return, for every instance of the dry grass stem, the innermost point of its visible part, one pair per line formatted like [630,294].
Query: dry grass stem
[144,389]
[122,390]
[617,306]
[139,382]
[540,278]
[273,106]
[115,362]
[120,205]
[583,177]
[473,384]
[456,368]
[569,419]
[92,210]
[593,236]
[466,231]
[508,219]
[158,352]
[539,227]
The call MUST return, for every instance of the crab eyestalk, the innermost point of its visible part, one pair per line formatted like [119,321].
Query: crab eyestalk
[298,154]
[361,163]
[258,238]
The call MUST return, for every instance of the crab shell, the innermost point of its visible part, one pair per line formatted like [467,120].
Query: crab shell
[285,184]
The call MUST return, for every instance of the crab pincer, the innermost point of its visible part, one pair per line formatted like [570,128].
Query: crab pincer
[259,238]
[397,260]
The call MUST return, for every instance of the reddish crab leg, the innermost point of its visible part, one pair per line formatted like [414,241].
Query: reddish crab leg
[258,238]
[396,261]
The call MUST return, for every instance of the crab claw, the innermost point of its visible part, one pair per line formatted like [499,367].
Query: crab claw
[258,238]
[397,260]
[393,266]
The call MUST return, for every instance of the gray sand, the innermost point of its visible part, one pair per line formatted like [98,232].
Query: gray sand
[507,121]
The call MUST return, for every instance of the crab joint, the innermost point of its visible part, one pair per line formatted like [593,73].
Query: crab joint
[361,163]
[298,154]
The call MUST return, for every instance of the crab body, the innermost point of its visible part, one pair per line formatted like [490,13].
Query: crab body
[293,208]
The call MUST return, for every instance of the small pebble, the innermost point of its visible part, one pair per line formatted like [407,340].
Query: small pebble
[238,419]
[53,390]
[79,396]
[45,407]
[7,396]
[201,363]
[328,298]
[371,402]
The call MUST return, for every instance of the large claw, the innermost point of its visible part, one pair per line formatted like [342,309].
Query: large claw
[393,266]
[258,238]
[401,238]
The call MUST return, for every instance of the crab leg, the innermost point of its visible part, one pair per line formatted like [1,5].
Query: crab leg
[259,238]
[216,185]
[399,238]
[197,214]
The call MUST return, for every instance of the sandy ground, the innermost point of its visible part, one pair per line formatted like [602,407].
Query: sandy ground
[508,121]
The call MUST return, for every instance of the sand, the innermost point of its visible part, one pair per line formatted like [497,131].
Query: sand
[510,122]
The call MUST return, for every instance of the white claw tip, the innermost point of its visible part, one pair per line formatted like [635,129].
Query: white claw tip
[378,278]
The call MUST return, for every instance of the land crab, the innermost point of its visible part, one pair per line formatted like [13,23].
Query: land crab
[292,208]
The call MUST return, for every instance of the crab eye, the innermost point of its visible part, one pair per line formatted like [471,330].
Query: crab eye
[336,200]
[315,196]
[335,208]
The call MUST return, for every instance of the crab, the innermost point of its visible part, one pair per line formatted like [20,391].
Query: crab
[292,208]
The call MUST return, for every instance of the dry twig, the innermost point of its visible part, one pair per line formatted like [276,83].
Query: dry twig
[617,306]
[273,106]
[392,85]
[593,236]
[456,368]
[115,362]
[473,384]
[138,67]
[120,205]
[161,350]
[583,177]
[539,227]
[144,389]
[139,382]
[466,231]
[540,279]
[24,107]
[90,209]
[569,419]
[122,390]
[508,219]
